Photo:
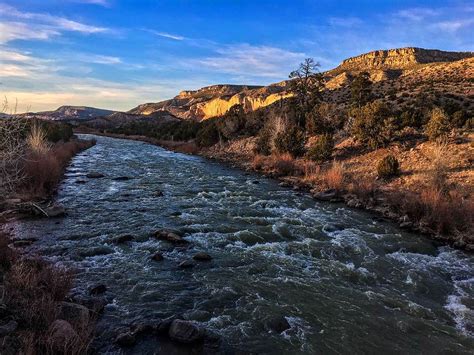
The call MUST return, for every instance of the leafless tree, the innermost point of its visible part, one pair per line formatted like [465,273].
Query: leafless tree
[12,149]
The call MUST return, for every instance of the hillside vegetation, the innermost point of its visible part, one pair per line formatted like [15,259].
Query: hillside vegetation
[390,131]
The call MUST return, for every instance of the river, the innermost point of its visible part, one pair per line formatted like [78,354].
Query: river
[345,282]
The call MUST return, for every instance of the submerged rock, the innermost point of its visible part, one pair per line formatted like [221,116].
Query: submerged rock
[121,178]
[126,339]
[124,239]
[74,313]
[278,324]
[201,256]
[55,211]
[97,290]
[157,257]
[328,195]
[185,332]
[95,175]
[169,236]
[101,250]
[186,264]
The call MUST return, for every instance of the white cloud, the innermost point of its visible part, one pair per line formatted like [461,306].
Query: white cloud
[454,25]
[417,14]
[40,26]
[100,59]
[250,61]
[104,3]
[166,35]
[10,31]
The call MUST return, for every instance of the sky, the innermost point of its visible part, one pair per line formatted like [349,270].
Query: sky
[116,54]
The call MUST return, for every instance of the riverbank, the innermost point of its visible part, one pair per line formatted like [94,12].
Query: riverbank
[407,199]
[36,314]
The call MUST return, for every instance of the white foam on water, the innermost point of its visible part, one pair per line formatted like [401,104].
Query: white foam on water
[299,329]
[463,316]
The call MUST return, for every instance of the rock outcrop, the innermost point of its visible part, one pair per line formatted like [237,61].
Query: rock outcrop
[216,100]
[401,58]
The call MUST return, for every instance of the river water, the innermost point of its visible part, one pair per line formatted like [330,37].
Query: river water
[344,281]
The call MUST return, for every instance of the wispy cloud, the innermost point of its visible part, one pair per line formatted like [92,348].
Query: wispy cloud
[17,24]
[100,59]
[166,35]
[104,3]
[417,14]
[250,61]
[345,21]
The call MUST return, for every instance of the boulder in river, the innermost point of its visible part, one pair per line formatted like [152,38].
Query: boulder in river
[55,211]
[98,290]
[201,256]
[186,264]
[184,331]
[95,175]
[157,257]
[95,251]
[169,236]
[123,239]
[126,339]
[278,324]
[328,195]
[74,313]
[121,178]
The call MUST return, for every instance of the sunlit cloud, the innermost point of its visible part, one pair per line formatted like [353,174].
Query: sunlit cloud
[38,26]
[250,61]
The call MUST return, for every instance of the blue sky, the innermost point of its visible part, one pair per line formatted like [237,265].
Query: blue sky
[119,53]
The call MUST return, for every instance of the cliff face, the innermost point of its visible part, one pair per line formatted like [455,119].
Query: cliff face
[401,58]
[382,65]
[216,100]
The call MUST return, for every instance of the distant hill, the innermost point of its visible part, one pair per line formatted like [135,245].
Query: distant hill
[393,68]
[72,113]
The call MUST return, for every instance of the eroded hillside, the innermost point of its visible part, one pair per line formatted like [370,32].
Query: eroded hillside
[399,76]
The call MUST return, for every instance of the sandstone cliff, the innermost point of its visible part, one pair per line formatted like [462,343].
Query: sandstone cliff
[382,65]
[400,58]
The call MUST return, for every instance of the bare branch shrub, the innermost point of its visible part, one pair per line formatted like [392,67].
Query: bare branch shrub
[12,151]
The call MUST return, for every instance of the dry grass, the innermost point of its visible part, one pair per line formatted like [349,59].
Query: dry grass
[283,165]
[334,177]
[43,169]
[311,171]
[363,188]
[444,213]
[438,172]
[32,291]
[36,140]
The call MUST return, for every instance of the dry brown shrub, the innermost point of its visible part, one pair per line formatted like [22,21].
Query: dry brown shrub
[363,188]
[440,161]
[311,171]
[33,288]
[36,140]
[334,177]
[258,162]
[283,164]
